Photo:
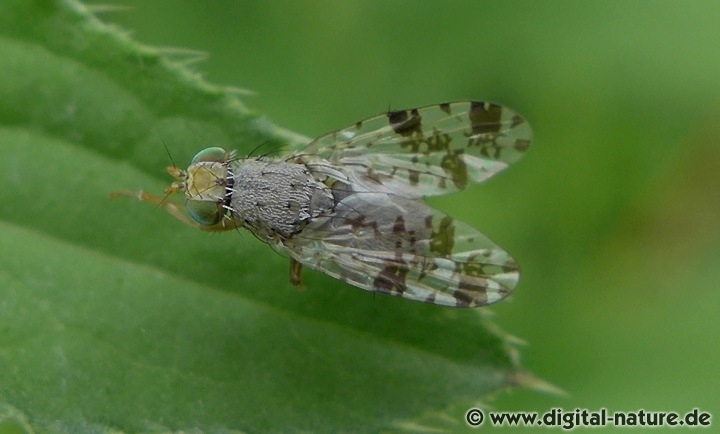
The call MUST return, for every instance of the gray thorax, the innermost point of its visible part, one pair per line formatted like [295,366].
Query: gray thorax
[274,197]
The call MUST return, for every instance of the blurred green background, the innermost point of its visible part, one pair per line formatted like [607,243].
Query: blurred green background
[614,214]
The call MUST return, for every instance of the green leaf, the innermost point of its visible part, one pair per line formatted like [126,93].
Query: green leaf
[116,317]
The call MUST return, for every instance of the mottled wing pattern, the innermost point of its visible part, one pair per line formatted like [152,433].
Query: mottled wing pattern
[426,151]
[399,246]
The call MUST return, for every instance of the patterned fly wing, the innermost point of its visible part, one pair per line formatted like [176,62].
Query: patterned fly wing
[349,204]
[427,151]
[399,246]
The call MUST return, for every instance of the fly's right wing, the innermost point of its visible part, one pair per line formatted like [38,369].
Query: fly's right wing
[426,151]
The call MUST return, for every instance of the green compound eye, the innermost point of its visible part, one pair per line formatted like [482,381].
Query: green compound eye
[206,213]
[213,154]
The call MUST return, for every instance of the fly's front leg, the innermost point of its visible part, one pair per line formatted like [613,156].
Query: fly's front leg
[174,208]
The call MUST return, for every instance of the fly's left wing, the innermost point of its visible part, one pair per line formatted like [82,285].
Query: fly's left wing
[426,151]
[400,246]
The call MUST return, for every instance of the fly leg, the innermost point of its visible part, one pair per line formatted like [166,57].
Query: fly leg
[296,273]
[175,209]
